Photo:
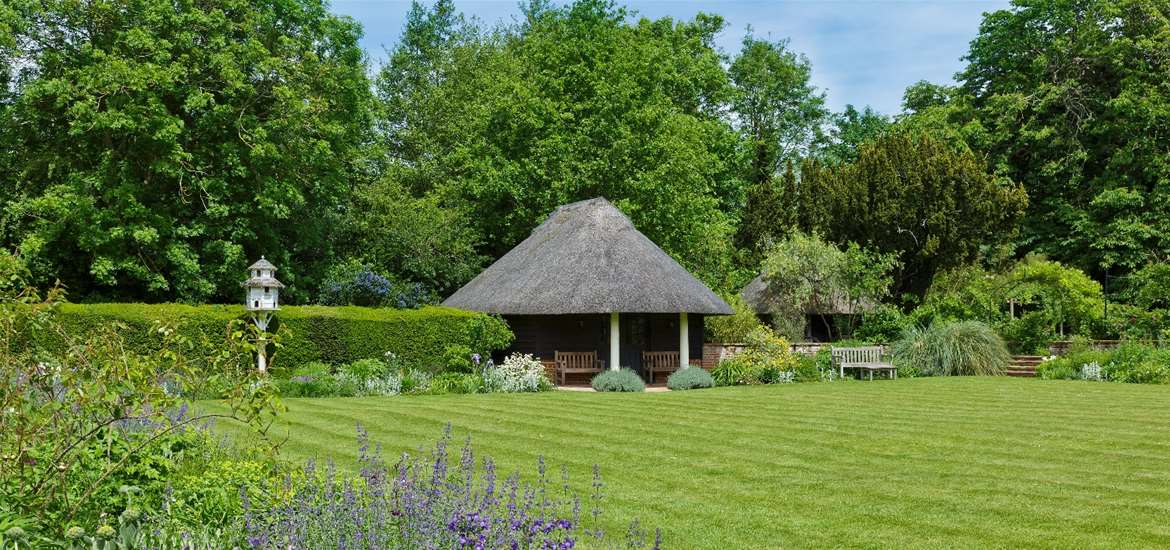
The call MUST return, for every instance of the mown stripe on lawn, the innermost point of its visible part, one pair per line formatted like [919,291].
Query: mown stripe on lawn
[942,462]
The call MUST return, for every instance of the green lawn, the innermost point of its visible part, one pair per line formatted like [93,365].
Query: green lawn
[943,462]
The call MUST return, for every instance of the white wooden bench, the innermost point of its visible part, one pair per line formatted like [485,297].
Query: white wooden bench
[867,359]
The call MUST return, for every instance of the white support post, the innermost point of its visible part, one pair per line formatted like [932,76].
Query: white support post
[684,342]
[614,342]
[261,319]
[261,355]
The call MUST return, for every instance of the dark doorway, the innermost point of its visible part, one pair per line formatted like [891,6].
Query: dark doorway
[635,331]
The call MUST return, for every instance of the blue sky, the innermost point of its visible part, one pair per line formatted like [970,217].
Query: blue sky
[862,52]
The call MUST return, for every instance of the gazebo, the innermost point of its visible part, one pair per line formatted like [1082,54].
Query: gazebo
[586,281]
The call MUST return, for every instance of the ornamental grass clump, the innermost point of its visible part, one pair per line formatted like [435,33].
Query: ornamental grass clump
[625,380]
[962,348]
[690,378]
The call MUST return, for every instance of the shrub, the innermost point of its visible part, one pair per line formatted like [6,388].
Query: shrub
[457,358]
[1030,333]
[624,380]
[415,381]
[211,495]
[318,386]
[518,373]
[365,377]
[735,327]
[108,419]
[766,359]
[1071,366]
[952,348]
[352,283]
[814,367]
[456,382]
[364,369]
[1138,363]
[733,371]
[884,324]
[690,378]
[335,335]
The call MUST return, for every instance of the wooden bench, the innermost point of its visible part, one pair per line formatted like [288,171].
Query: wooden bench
[570,362]
[866,359]
[658,362]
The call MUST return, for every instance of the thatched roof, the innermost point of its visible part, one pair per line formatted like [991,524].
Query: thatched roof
[757,297]
[587,257]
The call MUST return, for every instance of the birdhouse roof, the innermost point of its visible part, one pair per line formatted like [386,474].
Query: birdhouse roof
[262,264]
[260,282]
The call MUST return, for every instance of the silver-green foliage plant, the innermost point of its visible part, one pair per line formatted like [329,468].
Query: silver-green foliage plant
[625,380]
[690,378]
[962,348]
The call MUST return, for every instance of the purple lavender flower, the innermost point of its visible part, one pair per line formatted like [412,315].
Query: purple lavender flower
[424,503]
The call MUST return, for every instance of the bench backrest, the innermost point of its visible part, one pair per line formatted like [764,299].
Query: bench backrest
[868,354]
[660,359]
[577,359]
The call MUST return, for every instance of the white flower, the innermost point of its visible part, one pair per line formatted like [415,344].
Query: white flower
[518,373]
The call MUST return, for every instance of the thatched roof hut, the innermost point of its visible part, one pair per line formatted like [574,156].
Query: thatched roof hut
[766,302]
[757,297]
[587,262]
[587,257]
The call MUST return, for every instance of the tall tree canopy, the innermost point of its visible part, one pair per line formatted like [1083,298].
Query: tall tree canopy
[574,102]
[158,146]
[851,128]
[1072,99]
[778,110]
[913,195]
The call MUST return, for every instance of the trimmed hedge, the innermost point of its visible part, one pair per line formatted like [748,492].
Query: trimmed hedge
[334,335]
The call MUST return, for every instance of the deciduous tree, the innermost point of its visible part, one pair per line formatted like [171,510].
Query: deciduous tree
[162,145]
[1073,100]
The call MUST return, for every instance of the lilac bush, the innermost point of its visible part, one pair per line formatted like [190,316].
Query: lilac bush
[353,283]
[431,504]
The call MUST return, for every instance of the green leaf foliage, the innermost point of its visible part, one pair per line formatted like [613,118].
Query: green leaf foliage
[333,335]
[850,129]
[735,327]
[576,102]
[1032,303]
[779,111]
[803,273]
[1070,99]
[914,196]
[154,148]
